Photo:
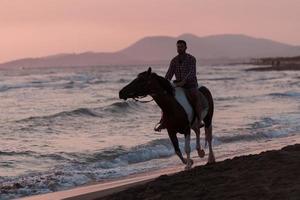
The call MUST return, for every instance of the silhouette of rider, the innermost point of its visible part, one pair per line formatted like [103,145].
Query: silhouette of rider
[183,66]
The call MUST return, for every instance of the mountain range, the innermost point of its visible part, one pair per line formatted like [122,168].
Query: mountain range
[160,49]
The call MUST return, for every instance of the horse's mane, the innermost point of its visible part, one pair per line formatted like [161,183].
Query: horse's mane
[165,84]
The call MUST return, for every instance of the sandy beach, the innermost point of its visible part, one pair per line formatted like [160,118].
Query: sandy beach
[268,175]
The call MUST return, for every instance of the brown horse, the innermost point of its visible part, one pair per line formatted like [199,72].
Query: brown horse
[175,117]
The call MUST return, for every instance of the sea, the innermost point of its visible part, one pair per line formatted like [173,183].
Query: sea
[65,127]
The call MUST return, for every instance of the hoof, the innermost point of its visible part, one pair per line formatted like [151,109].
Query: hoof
[211,160]
[210,163]
[201,153]
[187,168]
[189,164]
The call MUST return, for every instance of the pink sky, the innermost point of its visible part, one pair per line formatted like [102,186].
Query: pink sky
[33,28]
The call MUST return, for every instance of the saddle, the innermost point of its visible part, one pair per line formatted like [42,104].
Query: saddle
[182,99]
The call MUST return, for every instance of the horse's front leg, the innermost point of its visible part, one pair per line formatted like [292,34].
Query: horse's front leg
[187,146]
[174,140]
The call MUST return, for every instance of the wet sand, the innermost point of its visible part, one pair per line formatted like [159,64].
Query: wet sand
[268,175]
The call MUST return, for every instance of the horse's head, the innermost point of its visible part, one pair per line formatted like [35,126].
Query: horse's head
[138,87]
[146,83]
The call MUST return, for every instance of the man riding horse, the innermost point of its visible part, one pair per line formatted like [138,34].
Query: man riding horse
[184,67]
[175,118]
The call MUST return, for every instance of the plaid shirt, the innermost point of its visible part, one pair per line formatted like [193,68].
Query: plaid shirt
[184,68]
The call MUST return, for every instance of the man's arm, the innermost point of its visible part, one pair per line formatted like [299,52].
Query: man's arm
[171,71]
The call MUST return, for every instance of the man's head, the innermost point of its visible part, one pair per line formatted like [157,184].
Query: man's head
[181,46]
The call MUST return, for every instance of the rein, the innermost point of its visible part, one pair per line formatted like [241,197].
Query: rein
[147,101]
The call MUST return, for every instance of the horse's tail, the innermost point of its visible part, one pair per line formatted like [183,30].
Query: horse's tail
[208,118]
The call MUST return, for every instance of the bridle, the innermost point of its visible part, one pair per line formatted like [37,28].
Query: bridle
[137,99]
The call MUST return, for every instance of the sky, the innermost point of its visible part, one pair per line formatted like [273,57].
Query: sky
[34,28]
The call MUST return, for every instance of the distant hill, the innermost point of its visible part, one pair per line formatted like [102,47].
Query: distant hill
[162,48]
[210,47]
[71,60]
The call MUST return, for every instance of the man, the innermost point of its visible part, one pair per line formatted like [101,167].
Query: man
[184,67]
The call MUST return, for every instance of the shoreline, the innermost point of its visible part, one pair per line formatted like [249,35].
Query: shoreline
[269,175]
[96,190]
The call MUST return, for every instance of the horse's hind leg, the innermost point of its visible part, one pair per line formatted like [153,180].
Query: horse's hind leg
[208,138]
[201,152]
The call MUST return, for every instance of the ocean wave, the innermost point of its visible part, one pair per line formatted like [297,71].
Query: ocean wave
[96,81]
[14,153]
[125,104]
[107,163]
[266,128]
[119,155]
[220,79]
[5,88]
[56,83]
[286,94]
[79,112]
[52,156]
[264,123]
[250,137]
[156,149]
[109,157]
[163,148]
[72,113]
[123,108]
[39,83]
[228,98]
[122,80]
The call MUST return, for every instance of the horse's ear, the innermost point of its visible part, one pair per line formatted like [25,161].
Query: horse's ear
[149,71]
